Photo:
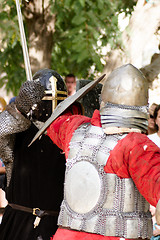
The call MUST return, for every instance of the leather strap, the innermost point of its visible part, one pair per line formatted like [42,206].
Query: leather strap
[35,211]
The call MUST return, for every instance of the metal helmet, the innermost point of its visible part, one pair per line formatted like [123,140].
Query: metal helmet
[126,85]
[55,90]
[90,101]
[125,99]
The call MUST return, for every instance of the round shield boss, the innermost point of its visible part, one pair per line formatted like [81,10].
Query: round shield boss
[83,187]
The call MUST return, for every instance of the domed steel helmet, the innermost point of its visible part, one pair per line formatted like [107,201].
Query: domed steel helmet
[125,99]
[55,90]
[126,85]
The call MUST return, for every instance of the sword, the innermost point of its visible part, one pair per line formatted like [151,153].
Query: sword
[61,107]
[24,43]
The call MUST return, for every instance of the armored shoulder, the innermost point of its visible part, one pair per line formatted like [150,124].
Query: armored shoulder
[11,122]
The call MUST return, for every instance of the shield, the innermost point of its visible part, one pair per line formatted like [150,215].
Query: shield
[65,104]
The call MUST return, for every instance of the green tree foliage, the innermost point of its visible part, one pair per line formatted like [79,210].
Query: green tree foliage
[82,29]
[11,56]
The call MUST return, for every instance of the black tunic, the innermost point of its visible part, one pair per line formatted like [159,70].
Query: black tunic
[36,182]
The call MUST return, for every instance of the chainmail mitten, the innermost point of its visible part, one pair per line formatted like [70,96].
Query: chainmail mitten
[31,93]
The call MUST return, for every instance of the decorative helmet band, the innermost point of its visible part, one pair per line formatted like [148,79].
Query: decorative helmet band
[55,92]
[54,85]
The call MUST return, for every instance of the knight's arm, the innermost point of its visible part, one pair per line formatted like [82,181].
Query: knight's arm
[62,129]
[137,157]
[15,119]
[11,122]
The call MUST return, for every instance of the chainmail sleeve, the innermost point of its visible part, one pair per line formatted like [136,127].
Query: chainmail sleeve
[11,122]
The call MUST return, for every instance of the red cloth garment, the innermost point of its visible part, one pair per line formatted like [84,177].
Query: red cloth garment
[96,120]
[136,156]
[62,129]
[64,234]
[75,109]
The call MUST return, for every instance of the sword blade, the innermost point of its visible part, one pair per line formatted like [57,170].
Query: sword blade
[65,104]
[24,43]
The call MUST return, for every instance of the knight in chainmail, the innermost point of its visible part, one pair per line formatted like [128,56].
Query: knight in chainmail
[35,175]
[112,167]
